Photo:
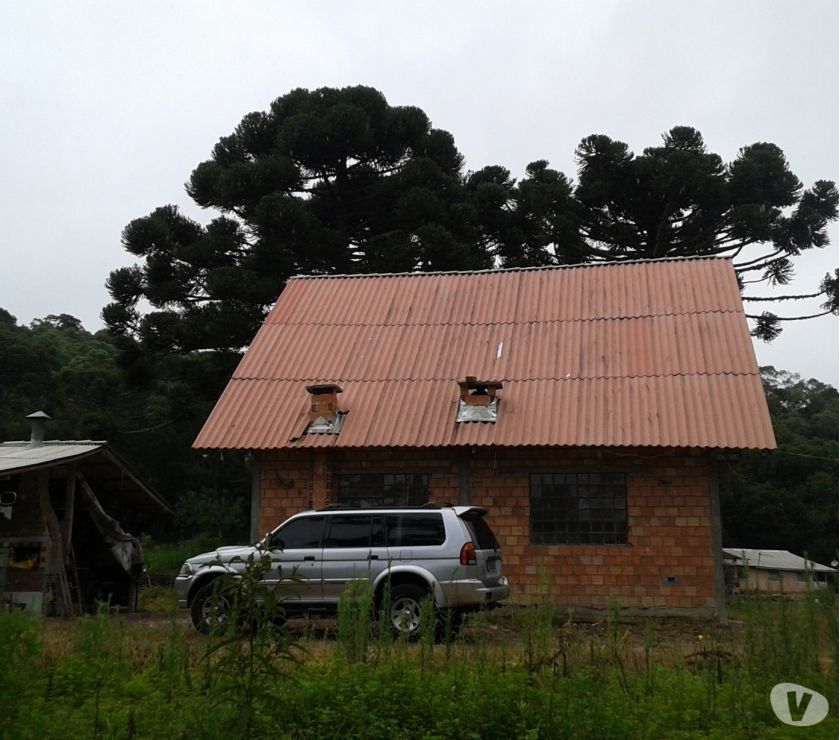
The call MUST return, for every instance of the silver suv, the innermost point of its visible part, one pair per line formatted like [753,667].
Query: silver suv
[407,554]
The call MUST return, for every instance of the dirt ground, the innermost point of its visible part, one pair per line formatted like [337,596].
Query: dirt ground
[666,641]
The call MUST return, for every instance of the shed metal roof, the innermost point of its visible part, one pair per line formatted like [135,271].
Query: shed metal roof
[775,560]
[98,457]
[17,457]
[654,353]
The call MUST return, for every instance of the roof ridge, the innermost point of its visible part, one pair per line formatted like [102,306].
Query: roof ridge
[55,442]
[497,270]
[344,379]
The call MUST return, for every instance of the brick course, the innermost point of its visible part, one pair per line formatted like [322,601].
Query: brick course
[668,506]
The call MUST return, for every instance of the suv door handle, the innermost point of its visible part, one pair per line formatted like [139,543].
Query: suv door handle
[373,557]
[309,557]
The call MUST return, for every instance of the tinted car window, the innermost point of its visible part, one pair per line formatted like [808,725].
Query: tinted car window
[377,532]
[299,533]
[348,530]
[482,535]
[406,530]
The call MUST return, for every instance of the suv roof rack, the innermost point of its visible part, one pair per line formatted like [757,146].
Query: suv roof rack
[354,507]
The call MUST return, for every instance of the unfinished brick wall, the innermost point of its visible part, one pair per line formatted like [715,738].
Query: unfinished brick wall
[286,487]
[668,564]
[669,561]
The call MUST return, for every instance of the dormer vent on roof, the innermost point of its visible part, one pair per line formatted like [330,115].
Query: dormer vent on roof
[324,416]
[478,400]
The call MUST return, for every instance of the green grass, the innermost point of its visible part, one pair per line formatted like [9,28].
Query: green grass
[523,673]
[163,559]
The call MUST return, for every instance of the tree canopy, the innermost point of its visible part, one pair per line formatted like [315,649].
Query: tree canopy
[82,381]
[786,499]
[326,181]
[679,200]
[339,181]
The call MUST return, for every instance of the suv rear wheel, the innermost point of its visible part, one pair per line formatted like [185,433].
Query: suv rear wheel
[404,613]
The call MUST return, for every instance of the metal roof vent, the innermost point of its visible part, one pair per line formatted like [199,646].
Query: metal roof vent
[324,416]
[38,421]
[478,400]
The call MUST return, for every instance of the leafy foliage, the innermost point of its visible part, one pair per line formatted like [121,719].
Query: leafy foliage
[57,366]
[248,654]
[149,409]
[114,678]
[787,499]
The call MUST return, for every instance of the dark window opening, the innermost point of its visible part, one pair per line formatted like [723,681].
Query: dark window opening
[383,489]
[578,508]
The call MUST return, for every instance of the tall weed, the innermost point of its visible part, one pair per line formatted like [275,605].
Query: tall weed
[248,652]
[20,649]
[355,621]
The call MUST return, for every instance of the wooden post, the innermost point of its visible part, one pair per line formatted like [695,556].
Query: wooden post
[56,560]
[69,508]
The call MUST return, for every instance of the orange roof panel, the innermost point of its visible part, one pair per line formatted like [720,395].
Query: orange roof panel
[653,353]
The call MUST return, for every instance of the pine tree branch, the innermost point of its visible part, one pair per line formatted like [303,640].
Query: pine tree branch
[759,259]
[144,431]
[782,297]
[792,318]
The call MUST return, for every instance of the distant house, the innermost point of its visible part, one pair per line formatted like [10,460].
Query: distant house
[589,408]
[774,570]
[63,509]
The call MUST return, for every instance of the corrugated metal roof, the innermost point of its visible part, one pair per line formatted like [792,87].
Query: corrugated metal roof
[644,354]
[18,456]
[110,468]
[775,560]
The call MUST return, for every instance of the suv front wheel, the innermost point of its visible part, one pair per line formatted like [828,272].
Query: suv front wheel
[210,606]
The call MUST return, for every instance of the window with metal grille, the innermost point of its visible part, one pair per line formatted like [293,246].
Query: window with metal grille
[383,489]
[578,508]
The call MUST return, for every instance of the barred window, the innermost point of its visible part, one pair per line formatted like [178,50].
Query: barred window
[383,489]
[578,508]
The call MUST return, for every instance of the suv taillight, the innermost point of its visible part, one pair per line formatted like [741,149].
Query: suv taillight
[468,554]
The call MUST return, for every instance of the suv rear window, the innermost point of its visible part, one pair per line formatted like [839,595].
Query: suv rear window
[481,534]
[406,530]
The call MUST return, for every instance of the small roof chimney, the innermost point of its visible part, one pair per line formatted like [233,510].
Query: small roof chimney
[478,400]
[38,422]
[324,416]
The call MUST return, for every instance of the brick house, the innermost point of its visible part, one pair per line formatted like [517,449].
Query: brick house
[590,408]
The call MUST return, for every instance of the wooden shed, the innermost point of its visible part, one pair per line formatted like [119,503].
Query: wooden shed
[66,510]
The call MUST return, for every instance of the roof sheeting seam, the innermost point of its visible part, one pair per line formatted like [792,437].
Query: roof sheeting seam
[625,317]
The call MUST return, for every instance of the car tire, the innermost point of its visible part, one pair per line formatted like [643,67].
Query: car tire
[207,604]
[404,611]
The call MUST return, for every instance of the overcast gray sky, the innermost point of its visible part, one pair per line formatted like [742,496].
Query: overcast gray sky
[108,106]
